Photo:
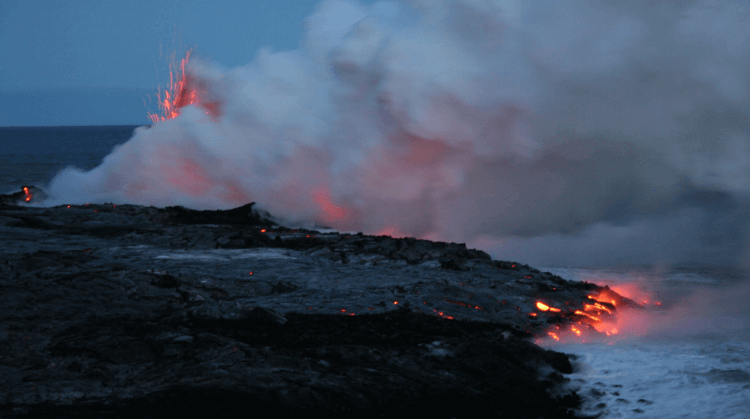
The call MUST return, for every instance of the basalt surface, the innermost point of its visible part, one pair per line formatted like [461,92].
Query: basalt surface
[130,311]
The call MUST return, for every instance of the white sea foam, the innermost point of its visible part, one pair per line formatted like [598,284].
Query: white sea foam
[665,379]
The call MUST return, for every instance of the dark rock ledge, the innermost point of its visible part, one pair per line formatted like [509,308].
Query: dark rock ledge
[129,311]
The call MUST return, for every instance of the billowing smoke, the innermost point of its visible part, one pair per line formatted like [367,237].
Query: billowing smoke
[560,132]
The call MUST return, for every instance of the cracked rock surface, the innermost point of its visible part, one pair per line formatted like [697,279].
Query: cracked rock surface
[131,311]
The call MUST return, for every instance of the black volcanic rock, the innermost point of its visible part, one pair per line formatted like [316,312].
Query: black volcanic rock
[244,215]
[129,311]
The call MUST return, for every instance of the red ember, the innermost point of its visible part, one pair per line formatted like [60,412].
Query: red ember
[464,304]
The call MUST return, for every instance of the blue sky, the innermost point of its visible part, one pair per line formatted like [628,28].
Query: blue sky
[93,62]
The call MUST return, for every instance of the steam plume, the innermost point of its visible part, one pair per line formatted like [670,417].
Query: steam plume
[590,132]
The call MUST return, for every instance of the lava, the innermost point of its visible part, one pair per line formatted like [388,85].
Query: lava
[594,318]
[575,330]
[182,92]
[544,307]
[28,196]
[442,314]
[178,95]
[464,304]
[596,306]
[607,312]
[587,320]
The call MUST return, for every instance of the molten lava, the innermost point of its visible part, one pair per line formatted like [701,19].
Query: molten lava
[464,304]
[28,196]
[608,312]
[544,307]
[575,330]
[178,95]
[590,319]
[182,92]
[596,306]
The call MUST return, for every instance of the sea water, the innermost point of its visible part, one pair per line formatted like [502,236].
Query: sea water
[33,155]
[692,361]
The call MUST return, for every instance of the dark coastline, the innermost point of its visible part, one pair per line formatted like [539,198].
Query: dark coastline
[129,311]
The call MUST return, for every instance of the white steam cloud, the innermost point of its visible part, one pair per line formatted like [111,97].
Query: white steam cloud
[536,130]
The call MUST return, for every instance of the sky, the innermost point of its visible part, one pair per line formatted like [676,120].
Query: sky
[94,62]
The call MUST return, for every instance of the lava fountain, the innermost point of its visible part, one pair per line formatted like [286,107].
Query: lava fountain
[181,92]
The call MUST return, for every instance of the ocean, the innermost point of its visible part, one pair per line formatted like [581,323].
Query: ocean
[33,155]
[687,357]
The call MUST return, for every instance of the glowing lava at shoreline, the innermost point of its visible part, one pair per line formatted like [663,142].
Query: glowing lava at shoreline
[607,314]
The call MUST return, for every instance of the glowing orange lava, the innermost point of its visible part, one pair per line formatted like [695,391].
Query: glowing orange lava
[28,194]
[609,312]
[575,330]
[596,307]
[594,318]
[606,296]
[181,92]
[178,95]
[544,307]
[442,314]
[464,304]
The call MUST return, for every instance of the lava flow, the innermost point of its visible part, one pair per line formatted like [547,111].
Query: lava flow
[604,314]
[544,307]
[28,196]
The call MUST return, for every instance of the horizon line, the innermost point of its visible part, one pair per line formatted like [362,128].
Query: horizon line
[68,126]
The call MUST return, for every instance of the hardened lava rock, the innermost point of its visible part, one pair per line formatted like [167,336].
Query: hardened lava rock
[127,311]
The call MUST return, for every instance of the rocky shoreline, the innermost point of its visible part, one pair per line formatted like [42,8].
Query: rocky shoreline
[129,311]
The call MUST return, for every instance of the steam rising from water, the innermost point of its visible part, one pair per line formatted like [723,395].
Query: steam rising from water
[576,132]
